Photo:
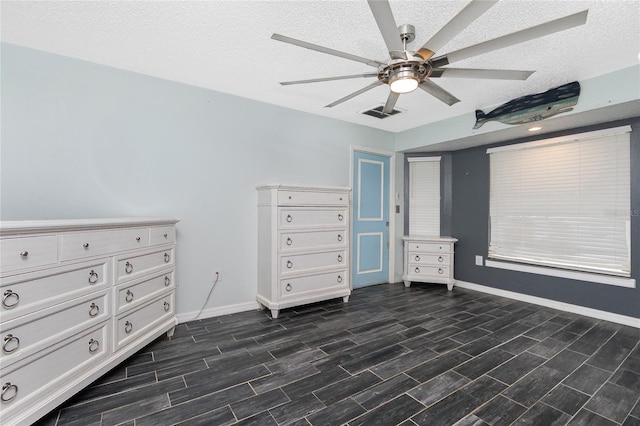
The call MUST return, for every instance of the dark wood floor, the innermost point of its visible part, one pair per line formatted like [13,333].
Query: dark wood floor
[391,355]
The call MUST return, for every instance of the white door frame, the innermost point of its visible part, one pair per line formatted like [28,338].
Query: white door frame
[391,206]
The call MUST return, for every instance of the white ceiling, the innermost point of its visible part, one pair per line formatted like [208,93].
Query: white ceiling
[226,46]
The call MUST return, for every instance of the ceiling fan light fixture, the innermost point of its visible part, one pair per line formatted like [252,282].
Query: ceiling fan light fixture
[404,81]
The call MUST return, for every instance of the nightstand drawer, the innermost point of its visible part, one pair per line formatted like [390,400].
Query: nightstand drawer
[429,259]
[98,243]
[433,271]
[27,252]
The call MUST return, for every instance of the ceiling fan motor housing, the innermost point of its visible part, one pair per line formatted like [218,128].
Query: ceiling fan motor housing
[404,68]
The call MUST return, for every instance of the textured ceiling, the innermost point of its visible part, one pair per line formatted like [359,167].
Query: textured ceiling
[226,46]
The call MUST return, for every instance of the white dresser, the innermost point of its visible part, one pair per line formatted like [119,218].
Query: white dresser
[303,245]
[78,297]
[428,260]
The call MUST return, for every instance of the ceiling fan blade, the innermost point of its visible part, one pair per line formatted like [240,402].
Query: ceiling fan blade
[466,16]
[322,49]
[514,38]
[433,89]
[387,24]
[341,77]
[481,73]
[391,102]
[354,94]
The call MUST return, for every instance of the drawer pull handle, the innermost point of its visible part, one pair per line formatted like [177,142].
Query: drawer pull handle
[289,218]
[289,241]
[128,268]
[24,253]
[85,245]
[93,277]
[138,239]
[129,296]
[339,258]
[339,237]
[11,343]
[417,270]
[339,278]
[94,345]
[9,392]
[289,264]
[94,310]
[440,271]
[167,306]
[10,299]
[417,258]
[440,259]
[128,327]
[340,217]
[167,258]
[167,281]
[288,287]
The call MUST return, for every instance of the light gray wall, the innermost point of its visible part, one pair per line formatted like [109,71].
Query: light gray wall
[81,140]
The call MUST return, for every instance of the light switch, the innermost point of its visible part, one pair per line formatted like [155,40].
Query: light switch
[479,260]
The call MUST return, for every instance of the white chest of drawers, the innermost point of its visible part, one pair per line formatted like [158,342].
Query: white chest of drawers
[78,297]
[303,245]
[428,260]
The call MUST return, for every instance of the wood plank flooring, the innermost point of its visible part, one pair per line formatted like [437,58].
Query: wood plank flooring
[390,356]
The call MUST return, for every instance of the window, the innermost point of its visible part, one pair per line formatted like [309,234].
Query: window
[424,196]
[563,202]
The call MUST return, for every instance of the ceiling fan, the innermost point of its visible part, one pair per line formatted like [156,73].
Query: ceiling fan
[408,70]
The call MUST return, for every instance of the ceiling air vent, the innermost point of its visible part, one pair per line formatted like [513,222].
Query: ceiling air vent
[377,112]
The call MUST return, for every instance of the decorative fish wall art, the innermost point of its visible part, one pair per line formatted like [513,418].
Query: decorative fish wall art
[531,108]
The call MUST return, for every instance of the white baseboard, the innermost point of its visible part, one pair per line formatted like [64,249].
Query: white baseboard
[219,311]
[568,307]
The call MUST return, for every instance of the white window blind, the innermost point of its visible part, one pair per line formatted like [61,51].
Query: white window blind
[563,202]
[424,195]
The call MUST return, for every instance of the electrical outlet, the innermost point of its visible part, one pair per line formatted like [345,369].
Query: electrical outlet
[217,274]
[479,260]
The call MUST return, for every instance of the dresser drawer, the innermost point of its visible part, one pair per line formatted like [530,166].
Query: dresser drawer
[162,235]
[320,282]
[430,248]
[313,239]
[27,252]
[25,335]
[99,243]
[433,271]
[416,258]
[23,294]
[295,263]
[133,266]
[306,217]
[132,325]
[42,374]
[136,292]
[312,198]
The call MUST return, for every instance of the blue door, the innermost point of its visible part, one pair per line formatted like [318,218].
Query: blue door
[370,219]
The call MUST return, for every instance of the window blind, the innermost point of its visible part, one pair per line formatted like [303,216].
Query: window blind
[424,195]
[563,202]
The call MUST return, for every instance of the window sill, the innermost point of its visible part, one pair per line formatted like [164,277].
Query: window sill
[564,273]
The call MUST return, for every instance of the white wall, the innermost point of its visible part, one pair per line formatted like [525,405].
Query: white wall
[84,140]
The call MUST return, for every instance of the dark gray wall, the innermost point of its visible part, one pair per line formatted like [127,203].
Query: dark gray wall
[470,224]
